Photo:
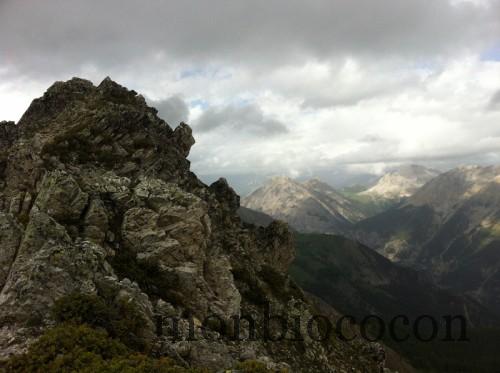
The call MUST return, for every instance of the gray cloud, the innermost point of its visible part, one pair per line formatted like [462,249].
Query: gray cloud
[371,139]
[356,82]
[173,110]
[373,87]
[248,119]
[494,103]
[386,153]
[52,35]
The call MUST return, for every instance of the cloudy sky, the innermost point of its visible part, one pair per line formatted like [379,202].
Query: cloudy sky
[271,86]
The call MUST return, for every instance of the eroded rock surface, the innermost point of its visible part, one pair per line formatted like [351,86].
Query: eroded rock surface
[96,197]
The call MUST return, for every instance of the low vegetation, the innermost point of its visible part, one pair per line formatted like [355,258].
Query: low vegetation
[94,336]
[252,366]
[83,349]
[120,319]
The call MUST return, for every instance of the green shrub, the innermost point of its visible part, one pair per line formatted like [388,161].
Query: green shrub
[82,349]
[252,366]
[121,320]
[139,364]
[81,308]
[66,348]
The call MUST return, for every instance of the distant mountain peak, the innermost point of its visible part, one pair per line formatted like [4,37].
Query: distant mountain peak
[455,185]
[316,182]
[281,179]
[450,227]
[401,182]
[311,206]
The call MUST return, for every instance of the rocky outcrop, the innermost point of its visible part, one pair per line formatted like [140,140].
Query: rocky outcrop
[10,239]
[97,197]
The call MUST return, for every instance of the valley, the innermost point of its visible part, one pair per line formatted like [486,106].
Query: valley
[429,249]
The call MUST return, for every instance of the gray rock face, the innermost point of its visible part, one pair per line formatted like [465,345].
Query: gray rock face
[10,238]
[96,222]
[97,197]
[61,197]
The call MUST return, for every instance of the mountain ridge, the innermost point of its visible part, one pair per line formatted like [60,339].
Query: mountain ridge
[311,206]
[448,227]
[401,182]
[356,280]
[98,205]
